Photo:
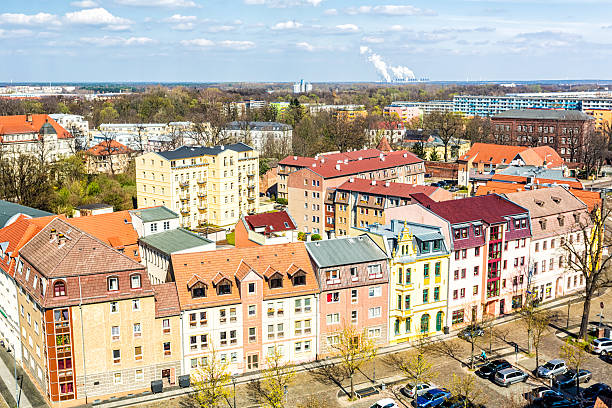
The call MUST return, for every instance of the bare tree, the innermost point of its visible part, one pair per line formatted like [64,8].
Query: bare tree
[354,348]
[478,129]
[575,356]
[212,381]
[270,389]
[25,180]
[587,253]
[448,125]
[594,150]
[541,320]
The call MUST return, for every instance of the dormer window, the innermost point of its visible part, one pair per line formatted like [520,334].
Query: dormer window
[299,279]
[561,220]
[425,247]
[436,245]
[225,288]
[543,224]
[113,283]
[135,281]
[198,292]
[59,289]
[276,282]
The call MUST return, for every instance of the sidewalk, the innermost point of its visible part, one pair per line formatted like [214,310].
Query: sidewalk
[7,377]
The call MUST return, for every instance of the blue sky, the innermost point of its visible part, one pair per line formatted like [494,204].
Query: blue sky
[319,40]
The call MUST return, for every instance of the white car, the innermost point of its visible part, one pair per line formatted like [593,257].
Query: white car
[602,346]
[385,403]
[410,389]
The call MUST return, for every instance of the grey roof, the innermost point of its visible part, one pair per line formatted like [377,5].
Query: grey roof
[239,125]
[95,206]
[154,214]
[8,210]
[171,241]
[549,114]
[534,171]
[186,152]
[344,251]
[47,129]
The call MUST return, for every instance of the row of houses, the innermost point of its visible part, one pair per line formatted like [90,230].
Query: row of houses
[100,306]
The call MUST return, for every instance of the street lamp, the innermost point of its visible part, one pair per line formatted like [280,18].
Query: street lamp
[234,383]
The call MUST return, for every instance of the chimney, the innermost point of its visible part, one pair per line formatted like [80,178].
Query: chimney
[387,184]
[52,234]
[405,155]
[352,180]
[337,167]
[29,118]
[345,161]
[60,239]
[373,182]
[294,157]
[314,164]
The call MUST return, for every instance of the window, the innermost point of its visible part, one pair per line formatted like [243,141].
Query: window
[252,310]
[426,271]
[455,294]
[475,290]
[477,251]
[137,329]
[457,316]
[425,295]
[333,318]
[437,269]
[154,227]
[354,296]
[224,289]
[113,283]
[135,305]
[139,375]
[375,291]
[374,271]
[354,276]
[374,312]
[59,289]
[166,326]
[135,281]
[114,307]
[138,353]
[251,288]
[116,356]
[117,378]
[333,297]
[333,276]
[462,293]
[476,270]
[115,333]
[252,334]
[436,294]
[167,349]
[299,280]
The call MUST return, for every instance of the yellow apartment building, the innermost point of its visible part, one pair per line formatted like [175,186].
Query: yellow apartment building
[602,116]
[204,185]
[418,264]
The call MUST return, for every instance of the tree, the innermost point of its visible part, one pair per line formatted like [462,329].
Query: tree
[528,313]
[594,150]
[471,335]
[433,155]
[419,150]
[465,390]
[478,129]
[269,389]
[541,321]
[211,382]
[588,254]
[354,349]
[448,125]
[575,356]
[25,180]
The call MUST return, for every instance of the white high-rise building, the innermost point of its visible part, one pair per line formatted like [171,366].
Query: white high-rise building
[302,87]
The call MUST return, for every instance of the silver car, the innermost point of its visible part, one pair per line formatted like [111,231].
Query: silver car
[602,346]
[509,376]
[552,368]
[410,389]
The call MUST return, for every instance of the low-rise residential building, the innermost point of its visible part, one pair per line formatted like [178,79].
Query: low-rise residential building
[403,112]
[393,130]
[109,157]
[260,135]
[418,278]
[265,229]
[206,185]
[354,283]
[244,302]
[556,216]
[35,134]
[359,202]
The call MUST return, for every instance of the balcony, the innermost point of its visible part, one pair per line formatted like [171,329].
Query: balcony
[201,181]
[202,207]
[184,210]
[201,194]
[251,199]
[184,197]
[251,174]
[184,184]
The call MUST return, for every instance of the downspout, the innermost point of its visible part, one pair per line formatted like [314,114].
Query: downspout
[182,329]
[83,339]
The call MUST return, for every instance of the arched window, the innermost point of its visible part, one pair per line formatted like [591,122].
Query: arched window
[439,318]
[425,323]
[59,288]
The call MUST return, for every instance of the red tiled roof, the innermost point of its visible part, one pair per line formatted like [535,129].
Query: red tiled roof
[545,154]
[103,148]
[300,161]
[386,188]
[492,153]
[18,124]
[490,208]
[166,300]
[273,221]
[331,169]
[16,235]
[384,145]
[498,187]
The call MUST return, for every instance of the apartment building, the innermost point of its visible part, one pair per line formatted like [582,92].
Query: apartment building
[354,282]
[89,326]
[306,187]
[556,217]
[603,118]
[392,130]
[265,229]
[35,134]
[424,107]
[489,238]
[259,134]
[403,112]
[359,202]
[563,130]
[418,278]
[205,185]
[110,157]
[244,302]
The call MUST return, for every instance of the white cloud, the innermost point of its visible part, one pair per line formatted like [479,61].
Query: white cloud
[221,28]
[197,42]
[184,27]
[373,40]
[109,41]
[389,10]
[84,4]
[97,16]
[177,18]
[283,3]
[15,33]
[347,27]
[237,45]
[305,46]
[331,12]
[158,3]
[286,25]
[29,19]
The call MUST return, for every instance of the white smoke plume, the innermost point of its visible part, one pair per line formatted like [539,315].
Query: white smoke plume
[387,72]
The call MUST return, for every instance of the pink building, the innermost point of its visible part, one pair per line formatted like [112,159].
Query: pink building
[402,112]
[354,281]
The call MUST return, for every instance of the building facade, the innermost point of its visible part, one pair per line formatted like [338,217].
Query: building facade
[109,157]
[260,135]
[205,185]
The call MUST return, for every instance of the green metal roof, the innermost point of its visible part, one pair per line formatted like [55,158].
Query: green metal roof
[169,242]
[8,210]
[344,251]
[154,214]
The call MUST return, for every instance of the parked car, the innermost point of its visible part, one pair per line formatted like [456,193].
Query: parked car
[509,376]
[410,389]
[592,392]
[552,368]
[385,403]
[459,402]
[569,378]
[488,370]
[603,345]
[539,392]
[433,398]
[557,400]
[471,331]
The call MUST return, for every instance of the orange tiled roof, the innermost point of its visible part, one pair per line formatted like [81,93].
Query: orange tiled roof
[498,187]
[213,266]
[102,149]
[591,198]
[536,180]
[166,300]
[17,124]
[384,145]
[491,153]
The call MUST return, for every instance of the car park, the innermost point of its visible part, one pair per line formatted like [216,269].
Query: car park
[488,370]
[385,403]
[554,401]
[603,345]
[471,331]
[539,392]
[410,389]
[509,376]
[592,392]
[569,378]
[432,398]
[551,369]
[459,402]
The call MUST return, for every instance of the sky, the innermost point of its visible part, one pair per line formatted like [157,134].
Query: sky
[317,40]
